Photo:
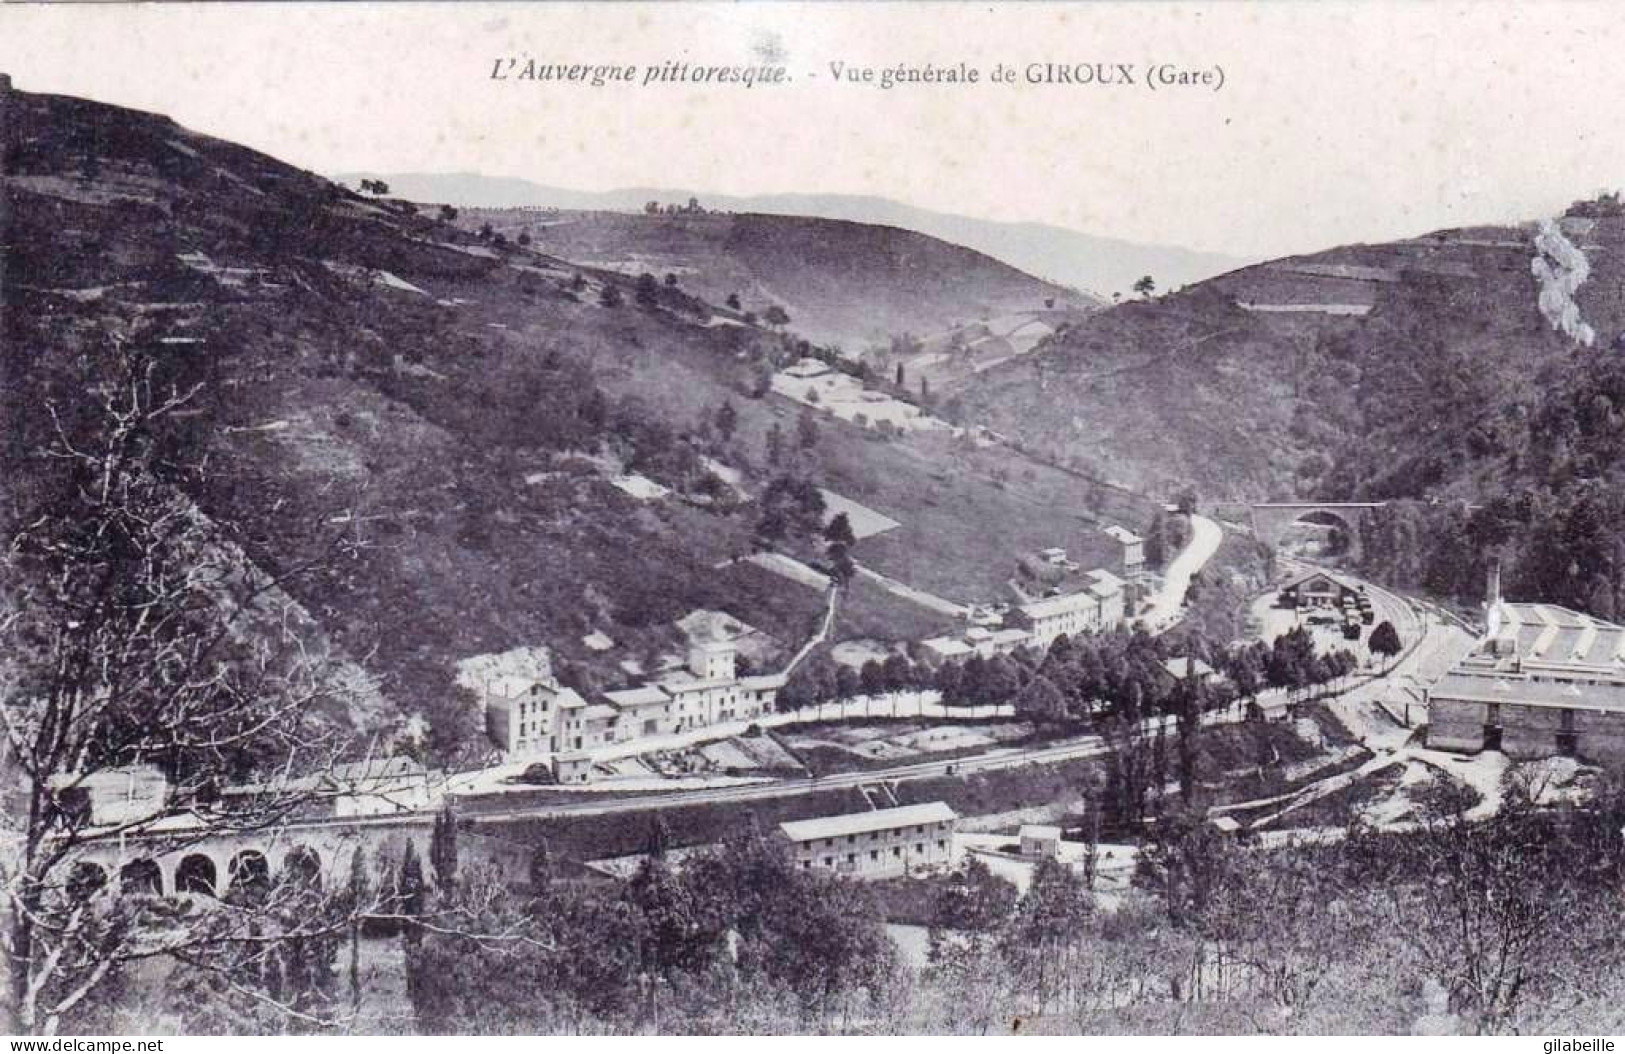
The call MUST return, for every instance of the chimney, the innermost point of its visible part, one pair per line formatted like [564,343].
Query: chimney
[1492,602]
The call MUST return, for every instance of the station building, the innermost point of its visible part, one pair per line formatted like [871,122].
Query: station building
[1318,590]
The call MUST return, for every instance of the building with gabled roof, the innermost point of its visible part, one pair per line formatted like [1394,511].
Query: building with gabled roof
[1040,841]
[645,710]
[1543,680]
[1130,551]
[1081,602]
[1319,589]
[530,722]
[881,843]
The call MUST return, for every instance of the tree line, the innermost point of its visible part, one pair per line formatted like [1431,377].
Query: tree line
[1447,926]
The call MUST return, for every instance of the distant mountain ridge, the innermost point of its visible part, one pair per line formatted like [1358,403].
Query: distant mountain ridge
[1086,262]
[855,285]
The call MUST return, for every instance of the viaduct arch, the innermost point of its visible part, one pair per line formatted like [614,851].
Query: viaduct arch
[1271,520]
[212,864]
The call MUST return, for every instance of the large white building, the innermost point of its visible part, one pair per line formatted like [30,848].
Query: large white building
[535,717]
[1544,680]
[544,718]
[882,843]
[1095,604]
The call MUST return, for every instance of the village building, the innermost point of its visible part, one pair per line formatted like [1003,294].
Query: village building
[1055,597]
[1040,841]
[586,727]
[1131,552]
[883,843]
[1543,681]
[645,710]
[978,640]
[948,647]
[538,719]
[1318,590]
[573,766]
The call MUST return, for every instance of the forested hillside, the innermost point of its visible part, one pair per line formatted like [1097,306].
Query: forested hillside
[1471,377]
[1528,473]
[452,444]
[1366,371]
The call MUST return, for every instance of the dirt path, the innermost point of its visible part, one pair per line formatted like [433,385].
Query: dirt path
[824,629]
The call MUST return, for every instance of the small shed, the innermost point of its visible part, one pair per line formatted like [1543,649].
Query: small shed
[572,767]
[1040,841]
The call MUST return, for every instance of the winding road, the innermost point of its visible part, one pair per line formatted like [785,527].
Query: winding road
[1166,604]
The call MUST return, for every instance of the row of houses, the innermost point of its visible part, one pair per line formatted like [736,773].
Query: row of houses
[527,718]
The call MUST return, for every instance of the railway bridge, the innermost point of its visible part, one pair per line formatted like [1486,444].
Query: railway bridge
[170,860]
[1271,520]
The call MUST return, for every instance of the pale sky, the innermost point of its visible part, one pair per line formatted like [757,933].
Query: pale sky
[1337,122]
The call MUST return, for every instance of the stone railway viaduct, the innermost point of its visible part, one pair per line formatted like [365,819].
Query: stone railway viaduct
[1271,520]
[170,862]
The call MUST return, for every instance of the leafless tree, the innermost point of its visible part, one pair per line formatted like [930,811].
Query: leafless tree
[134,631]
[1517,921]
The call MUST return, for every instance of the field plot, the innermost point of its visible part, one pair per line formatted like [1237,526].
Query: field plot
[738,756]
[790,568]
[865,521]
[857,652]
[904,740]
[848,399]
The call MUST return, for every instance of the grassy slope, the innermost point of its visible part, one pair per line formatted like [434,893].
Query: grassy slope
[845,283]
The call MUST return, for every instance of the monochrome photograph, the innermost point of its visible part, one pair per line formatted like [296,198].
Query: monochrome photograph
[742,519]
